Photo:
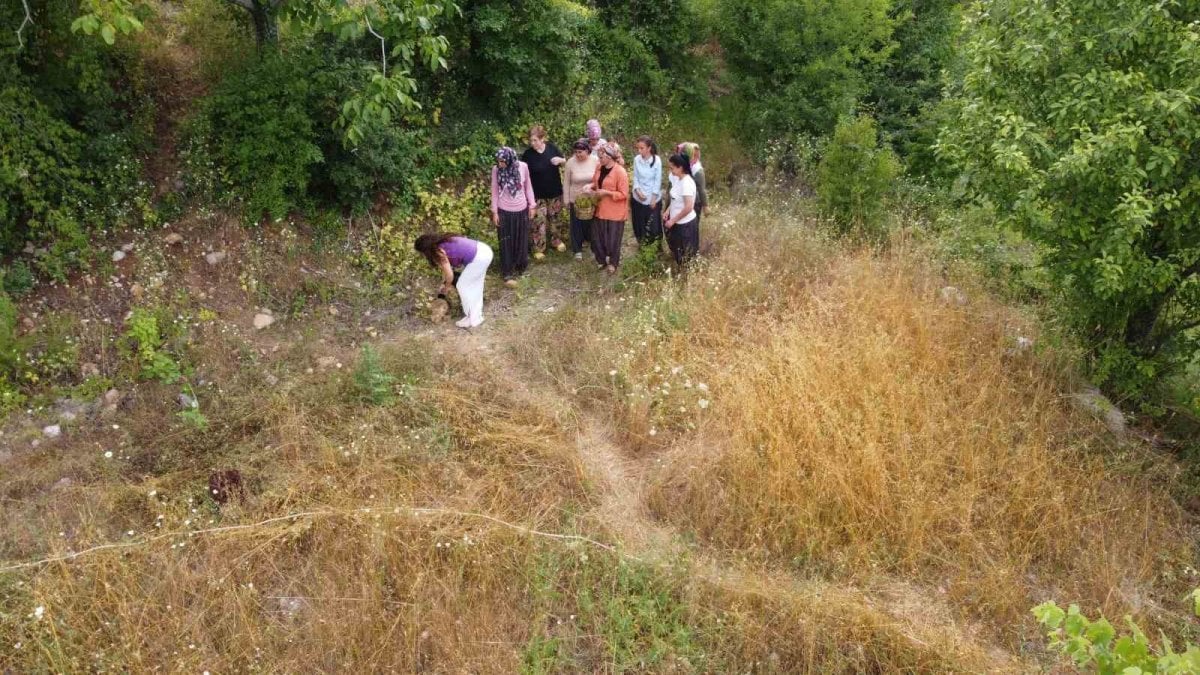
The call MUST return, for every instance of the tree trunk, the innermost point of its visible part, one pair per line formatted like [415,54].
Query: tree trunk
[266,25]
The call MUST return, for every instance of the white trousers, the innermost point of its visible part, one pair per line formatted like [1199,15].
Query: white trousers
[470,283]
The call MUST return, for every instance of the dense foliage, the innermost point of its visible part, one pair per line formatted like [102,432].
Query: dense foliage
[1079,122]
[72,128]
[803,64]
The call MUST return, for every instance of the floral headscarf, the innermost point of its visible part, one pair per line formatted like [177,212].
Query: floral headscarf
[692,152]
[509,175]
[613,150]
[593,130]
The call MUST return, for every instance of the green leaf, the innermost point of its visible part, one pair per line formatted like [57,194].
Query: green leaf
[108,33]
[1049,614]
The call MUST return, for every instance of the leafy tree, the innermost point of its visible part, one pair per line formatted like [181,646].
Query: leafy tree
[802,64]
[1080,122]
[407,32]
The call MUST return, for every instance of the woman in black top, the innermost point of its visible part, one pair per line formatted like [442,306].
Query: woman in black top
[544,159]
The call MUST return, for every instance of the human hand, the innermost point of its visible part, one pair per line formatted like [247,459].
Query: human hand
[495,219]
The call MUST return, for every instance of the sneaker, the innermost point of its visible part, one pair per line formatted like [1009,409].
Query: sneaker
[463,323]
[579,257]
[539,256]
[610,269]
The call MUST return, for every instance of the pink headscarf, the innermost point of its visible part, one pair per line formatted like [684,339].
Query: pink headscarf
[593,129]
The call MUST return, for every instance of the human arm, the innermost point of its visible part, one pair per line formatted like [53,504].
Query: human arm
[556,157]
[568,197]
[527,184]
[495,197]
[656,182]
[447,271]
[701,194]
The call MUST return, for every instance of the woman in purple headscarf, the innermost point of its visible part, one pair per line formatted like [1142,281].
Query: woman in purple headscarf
[594,138]
[513,207]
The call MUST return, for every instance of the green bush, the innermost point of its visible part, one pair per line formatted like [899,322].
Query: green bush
[802,64]
[74,115]
[257,133]
[519,55]
[1095,646]
[646,49]
[856,176]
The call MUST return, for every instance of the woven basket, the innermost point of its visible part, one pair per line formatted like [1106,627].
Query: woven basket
[585,208]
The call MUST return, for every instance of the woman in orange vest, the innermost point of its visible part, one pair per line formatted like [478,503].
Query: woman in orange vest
[611,186]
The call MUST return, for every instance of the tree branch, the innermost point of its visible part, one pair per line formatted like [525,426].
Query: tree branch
[26,21]
[382,44]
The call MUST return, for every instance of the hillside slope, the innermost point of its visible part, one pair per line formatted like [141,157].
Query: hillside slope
[801,458]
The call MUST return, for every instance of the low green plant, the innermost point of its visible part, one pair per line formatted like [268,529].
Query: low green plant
[18,278]
[193,418]
[856,176]
[1096,646]
[147,344]
[372,383]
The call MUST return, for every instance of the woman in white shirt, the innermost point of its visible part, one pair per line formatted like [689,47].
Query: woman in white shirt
[683,237]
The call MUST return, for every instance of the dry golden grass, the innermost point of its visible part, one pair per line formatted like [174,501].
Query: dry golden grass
[880,429]
[860,428]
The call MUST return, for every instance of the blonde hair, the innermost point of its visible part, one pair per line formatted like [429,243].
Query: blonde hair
[537,131]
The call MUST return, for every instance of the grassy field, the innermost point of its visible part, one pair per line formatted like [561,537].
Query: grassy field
[803,457]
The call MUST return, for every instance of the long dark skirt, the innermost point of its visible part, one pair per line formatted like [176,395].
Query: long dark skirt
[606,240]
[647,222]
[581,231]
[514,243]
[684,241]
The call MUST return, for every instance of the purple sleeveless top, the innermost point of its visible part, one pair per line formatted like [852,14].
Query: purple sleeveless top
[460,250]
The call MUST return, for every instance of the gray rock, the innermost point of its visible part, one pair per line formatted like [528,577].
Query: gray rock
[215,258]
[271,380]
[89,370]
[1091,401]
[112,397]
[127,248]
[261,320]
[63,483]
[173,239]
[118,256]
[52,431]
[952,295]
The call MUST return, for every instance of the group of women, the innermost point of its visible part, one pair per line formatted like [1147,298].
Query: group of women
[542,199]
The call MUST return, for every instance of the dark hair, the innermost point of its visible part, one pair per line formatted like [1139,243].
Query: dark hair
[681,160]
[653,148]
[427,245]
[581,144]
